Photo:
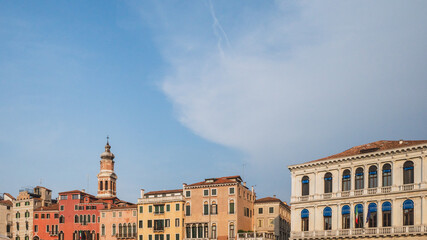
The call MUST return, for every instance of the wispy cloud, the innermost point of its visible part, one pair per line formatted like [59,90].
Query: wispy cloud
[218,30]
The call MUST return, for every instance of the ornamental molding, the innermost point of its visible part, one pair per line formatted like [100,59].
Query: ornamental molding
[211,185]
[380,154]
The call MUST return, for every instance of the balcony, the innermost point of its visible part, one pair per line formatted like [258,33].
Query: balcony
[372,190]
[159,213]
[385,189]
[160,199]
[126,236]
[367,232]
[259,236]
[407,187]
[327,195]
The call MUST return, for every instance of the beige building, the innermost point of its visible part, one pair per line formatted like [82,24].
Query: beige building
[161,215]
[377,190]
[218,208]
[23,210]
[272,216]
[118,223]
[6,212]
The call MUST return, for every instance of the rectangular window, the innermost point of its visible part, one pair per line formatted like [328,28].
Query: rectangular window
[36,216]
[36,228]
[47,228]
[140,237]
[168,237]
[149,223]
[18,204]
[187,210]
[176,222]
[56,215]
[206,192]
[260,223]
[120,214]
[231,191]
[150,208]
[103,215]
[206,209]
[232,208]
[62,207]
[64,197]
[168,208]
[114,214]
[75,196]
[140,209]
[213,192]
[48,216]
[150,237]
[42,216]
[134,213]
[260,210]
[177,236]
[76,207]
[177,207]
[167,222]
[271,210]
[140,223]
[187,193]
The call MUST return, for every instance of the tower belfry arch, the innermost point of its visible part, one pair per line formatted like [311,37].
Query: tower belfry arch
[107,177]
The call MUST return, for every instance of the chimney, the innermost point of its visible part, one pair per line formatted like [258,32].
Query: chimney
[142,193]
[83,190]
[274,196]
[400,141]
[244,184]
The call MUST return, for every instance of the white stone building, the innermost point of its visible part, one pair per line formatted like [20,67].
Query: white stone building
[377,190]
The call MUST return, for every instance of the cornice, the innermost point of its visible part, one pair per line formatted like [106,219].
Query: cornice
[383,153]
[211,185]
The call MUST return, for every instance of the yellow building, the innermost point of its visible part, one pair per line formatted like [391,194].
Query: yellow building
[161,215]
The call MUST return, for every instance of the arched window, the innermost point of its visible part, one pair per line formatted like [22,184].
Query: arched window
[358,216]
[213,230]
[18,215]
[76,219]
[408,172]
[206,208]
[386,211]
[372,215]
[304,220]
[103,230]
[88,218]
[346,180]
[134,230]
[386,175]
[61,219]
[345,217]
[106,185]
[328,182]
[61,235]
[94,218]
[27,214]
[187,209]
[408,212]
[359,179]
[231,228]
[214,208]
[101,185]
[231,206]
[194,231]
[305,186]
[373,177]
[120,230]
[17,226]
[27,238]
[125,230]
[129,229]
[327,218]
[113,230]
[26,225]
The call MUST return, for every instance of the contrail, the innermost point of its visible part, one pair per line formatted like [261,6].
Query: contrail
[218,30]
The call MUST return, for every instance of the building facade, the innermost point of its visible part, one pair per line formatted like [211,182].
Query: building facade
[46,223]
[271,215]
[6,212]
[23,210]
[118,223]
[161,215]
[218,208]
[376,190]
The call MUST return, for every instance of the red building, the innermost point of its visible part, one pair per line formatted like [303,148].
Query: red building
[79,214]
[46,223]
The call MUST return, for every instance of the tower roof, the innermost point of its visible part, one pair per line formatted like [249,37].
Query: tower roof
[107,154]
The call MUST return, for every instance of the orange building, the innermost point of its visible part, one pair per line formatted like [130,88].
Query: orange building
[46,223]
[218,208]
[118,223]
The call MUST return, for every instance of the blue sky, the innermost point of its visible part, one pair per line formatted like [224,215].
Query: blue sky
[188,90]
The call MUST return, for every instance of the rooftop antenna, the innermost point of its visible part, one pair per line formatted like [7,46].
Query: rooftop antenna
[107,139]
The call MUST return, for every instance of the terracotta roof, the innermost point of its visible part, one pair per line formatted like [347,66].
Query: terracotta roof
[6,202]
[229,179]
[48,208]
[9,195]
[374,147]
[78,191]
[164,192]
[268,199]
[125,207]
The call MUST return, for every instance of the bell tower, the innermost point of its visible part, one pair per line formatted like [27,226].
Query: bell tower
[106,177]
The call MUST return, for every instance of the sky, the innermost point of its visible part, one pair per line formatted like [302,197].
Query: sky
[188,90]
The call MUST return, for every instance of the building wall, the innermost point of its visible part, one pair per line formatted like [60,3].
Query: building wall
[5,219]
[277,222]
[42,219]
[24,203]
[243,198]
[118,217]
[175,231]
[396,194]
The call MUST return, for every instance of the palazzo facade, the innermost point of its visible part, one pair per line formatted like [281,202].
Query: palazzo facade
[376,190]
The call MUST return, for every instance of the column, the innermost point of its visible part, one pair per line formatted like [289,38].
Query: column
[396,213]
[380,214]
[339,219]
